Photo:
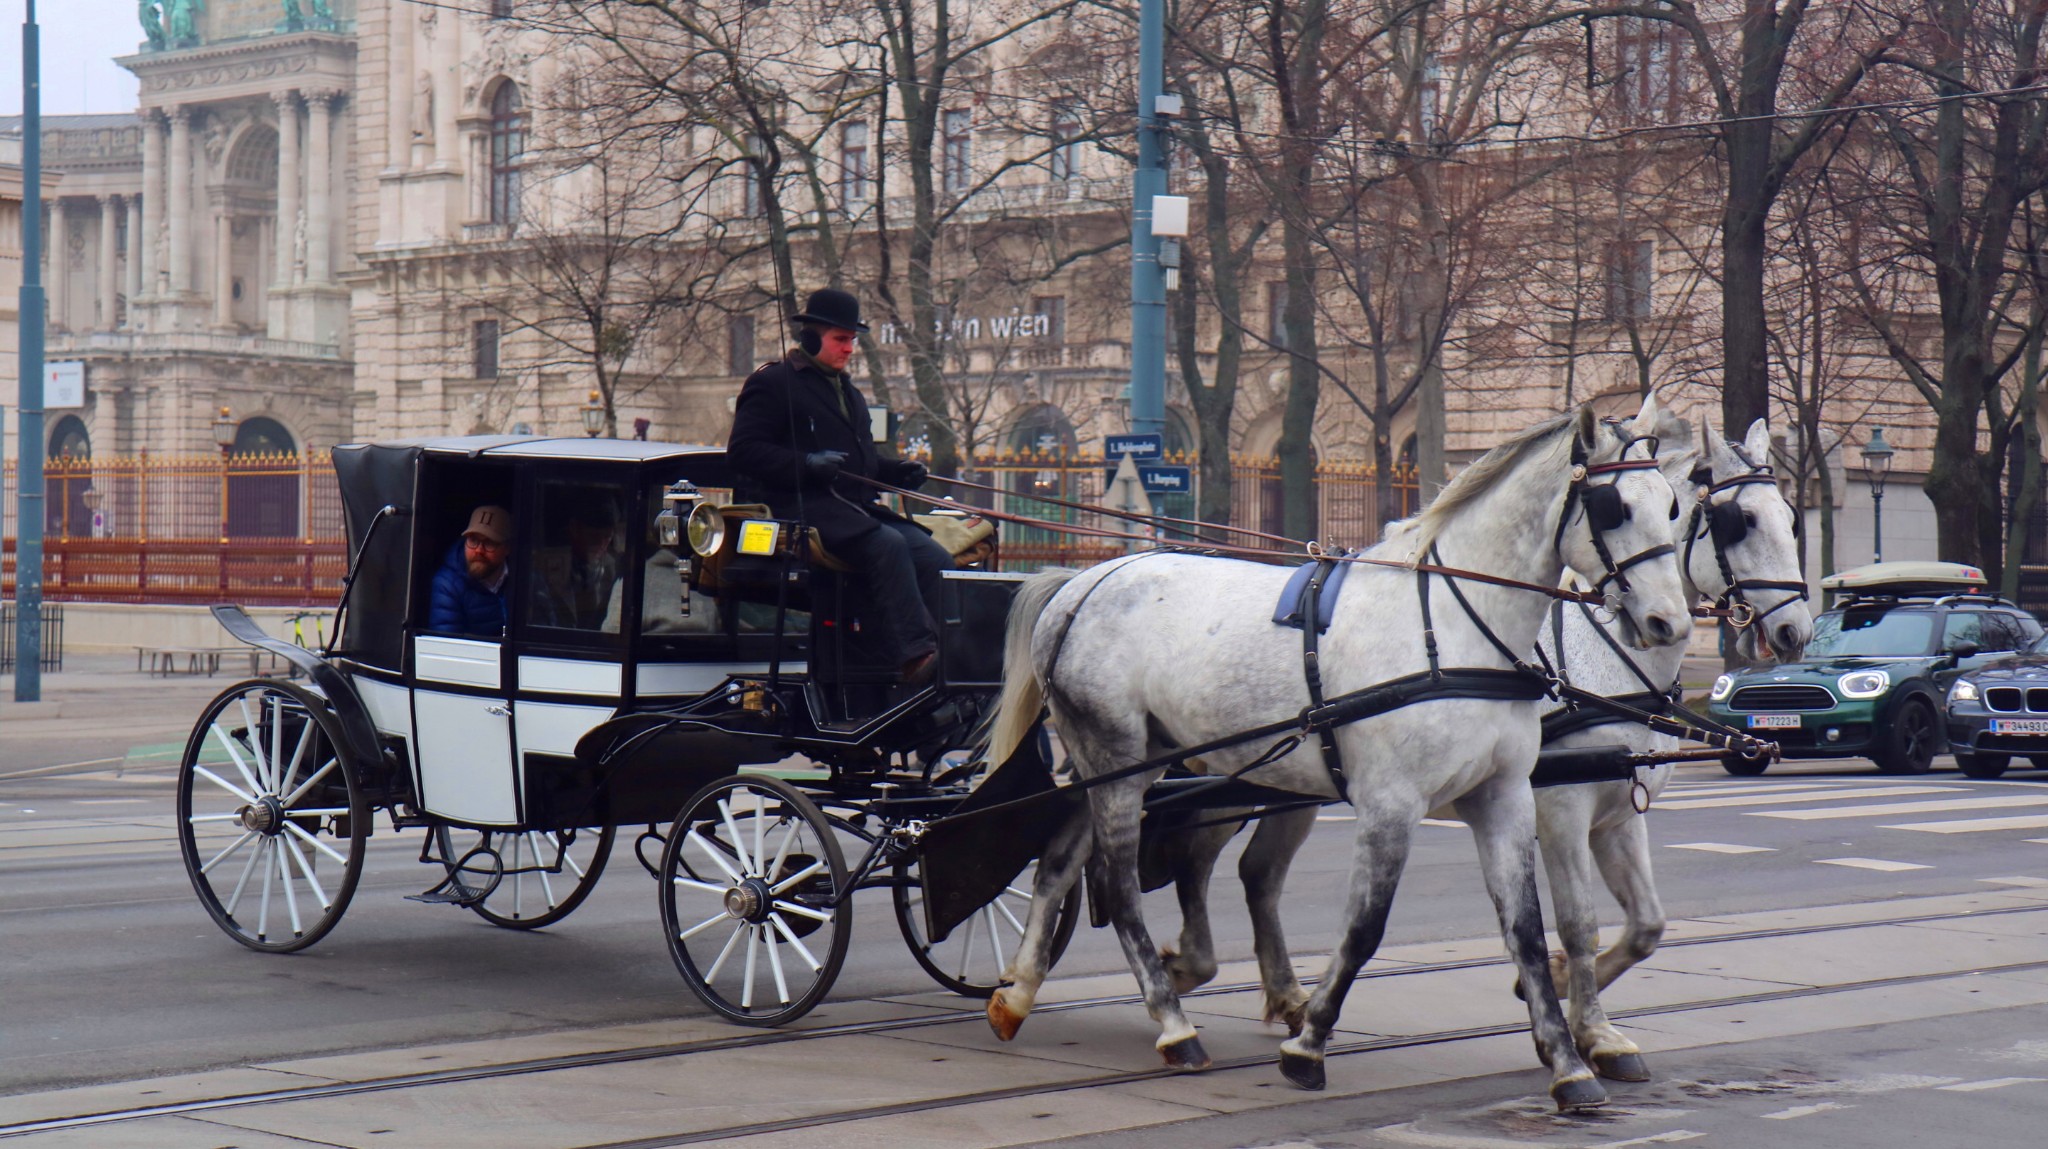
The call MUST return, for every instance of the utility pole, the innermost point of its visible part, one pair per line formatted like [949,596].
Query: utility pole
[28,545]
[1148,279]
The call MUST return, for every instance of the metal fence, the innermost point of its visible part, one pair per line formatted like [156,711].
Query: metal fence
[267,529]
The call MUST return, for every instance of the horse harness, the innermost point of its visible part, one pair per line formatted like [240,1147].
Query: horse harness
[1726,525]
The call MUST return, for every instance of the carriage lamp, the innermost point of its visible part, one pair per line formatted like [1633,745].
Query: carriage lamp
[1877,463]
[706,528]
[677,502]
[593,415]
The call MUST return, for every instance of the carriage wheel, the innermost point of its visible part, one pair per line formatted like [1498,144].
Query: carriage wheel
[750,900]
[545,874]
[270,819]
[973,957]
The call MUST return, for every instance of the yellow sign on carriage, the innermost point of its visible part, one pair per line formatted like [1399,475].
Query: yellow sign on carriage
[758,536]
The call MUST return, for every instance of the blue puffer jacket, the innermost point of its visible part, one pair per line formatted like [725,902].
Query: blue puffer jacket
[462,605]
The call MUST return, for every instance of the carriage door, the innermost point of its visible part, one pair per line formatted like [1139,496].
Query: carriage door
[462,730]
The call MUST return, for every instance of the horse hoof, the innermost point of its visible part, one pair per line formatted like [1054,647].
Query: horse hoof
[1304,1071]
[1579,1094]
[1622,1067]
[1186,1055]
[1000,1019]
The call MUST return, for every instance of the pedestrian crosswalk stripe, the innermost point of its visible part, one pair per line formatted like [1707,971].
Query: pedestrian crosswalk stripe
[1720,848]
[1977,825]
[1717,790]
[2021,881]
[1819,796]
[2039,841]
[1804,1111]
[1994,1083]
[1872,864]
[1451,822]
[1884,809]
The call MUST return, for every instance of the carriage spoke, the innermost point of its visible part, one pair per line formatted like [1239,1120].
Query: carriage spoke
[782,927]
[242,883]
[760,837]
[254,733]
[291,893]
[999,906]
[739,841]
[967,951]
[694,884]
[711,852]
[802,911]
[707,923]
[540,869]
[276,763]
[293,797]
[316,843]
[775,964]
[237,844]
[312,879]
[793,879]
[789,836]
[747,986]
[224,784]
[725,952]
[196,819]
[263,905]
[284,781]
[996,947]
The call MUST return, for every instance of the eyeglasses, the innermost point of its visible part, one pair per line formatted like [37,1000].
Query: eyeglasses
[479,543]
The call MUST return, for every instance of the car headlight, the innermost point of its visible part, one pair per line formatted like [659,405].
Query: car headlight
[1723,687]
[1963,691]
[1864,683]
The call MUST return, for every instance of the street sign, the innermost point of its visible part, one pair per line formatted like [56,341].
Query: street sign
[1167,480]
[1149,446]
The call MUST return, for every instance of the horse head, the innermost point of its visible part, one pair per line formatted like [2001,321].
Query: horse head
[1740,544]
[1618,525]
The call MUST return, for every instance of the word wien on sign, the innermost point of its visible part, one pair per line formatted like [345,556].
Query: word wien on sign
[1015,325]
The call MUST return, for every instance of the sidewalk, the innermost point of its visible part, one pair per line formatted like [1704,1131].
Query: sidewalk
[97,710]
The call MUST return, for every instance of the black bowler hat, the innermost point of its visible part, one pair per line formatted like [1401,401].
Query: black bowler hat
[831,307]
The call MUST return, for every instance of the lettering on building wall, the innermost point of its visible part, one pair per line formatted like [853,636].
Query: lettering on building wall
[1015,325]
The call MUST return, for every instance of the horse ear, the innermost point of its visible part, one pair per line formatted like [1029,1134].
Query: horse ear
[1757,444]
[1588,429]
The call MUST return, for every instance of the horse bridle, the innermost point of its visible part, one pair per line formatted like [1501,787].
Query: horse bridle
[1605,511]
[1725,525]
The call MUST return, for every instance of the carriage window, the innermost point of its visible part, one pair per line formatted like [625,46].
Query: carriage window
[668,605]
[577,544]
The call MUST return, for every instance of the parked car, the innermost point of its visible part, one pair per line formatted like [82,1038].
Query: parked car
[1876,678]
[2000,710]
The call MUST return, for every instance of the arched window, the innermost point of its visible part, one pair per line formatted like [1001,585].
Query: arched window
[68,439]
[508,142]
[262,482]
[69,478]
[1040,445]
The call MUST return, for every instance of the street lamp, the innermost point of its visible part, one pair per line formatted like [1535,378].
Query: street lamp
[91,497]
[593,415]
[1877,463]
[224,434]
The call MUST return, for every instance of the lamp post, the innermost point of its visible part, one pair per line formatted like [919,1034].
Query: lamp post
[593,415]
[224,434]
[92,498]
[1877,463]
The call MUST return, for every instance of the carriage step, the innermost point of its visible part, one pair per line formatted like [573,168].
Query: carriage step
[453,893]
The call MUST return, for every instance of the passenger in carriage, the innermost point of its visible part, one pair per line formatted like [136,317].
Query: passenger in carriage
[469,589]
[800,429]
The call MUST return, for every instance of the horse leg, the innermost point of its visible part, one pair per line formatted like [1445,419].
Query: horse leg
[1564,817]
[1116,808]
[1058,869]
[1379,853]
[1502,814]
[1193,964]
[1623,855]
[1263,870]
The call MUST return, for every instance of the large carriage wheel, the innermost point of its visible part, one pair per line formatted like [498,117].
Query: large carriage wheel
[751,880]
[974,955]
[541,875]
[270,819]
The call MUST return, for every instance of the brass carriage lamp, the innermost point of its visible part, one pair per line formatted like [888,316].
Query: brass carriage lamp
[676,504]
[593,415]
[1877,463]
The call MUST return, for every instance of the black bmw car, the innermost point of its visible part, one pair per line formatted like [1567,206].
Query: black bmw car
[1999,711]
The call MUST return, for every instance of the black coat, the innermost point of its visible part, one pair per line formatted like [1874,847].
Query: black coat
[788,410]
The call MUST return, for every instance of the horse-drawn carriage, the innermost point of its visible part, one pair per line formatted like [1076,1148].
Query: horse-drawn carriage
[668,660]
[673,660]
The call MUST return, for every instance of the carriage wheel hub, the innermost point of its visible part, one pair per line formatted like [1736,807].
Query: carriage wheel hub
[749,901]
[264,816]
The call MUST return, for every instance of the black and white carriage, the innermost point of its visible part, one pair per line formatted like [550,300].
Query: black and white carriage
[668,661]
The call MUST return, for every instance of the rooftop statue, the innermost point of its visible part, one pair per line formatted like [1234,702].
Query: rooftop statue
[182,20]
[152,24]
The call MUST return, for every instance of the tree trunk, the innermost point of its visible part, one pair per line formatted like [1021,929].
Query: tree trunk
[1304,387]
[1745,382]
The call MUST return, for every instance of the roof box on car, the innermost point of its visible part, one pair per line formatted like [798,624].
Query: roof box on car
[1905,579]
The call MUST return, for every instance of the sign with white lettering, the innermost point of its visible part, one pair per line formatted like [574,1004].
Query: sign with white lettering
[63,385]
[1167,480]
[1147,446]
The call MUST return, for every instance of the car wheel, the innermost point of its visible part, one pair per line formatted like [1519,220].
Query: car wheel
[1908,748]
[1745,765]
[1982,765]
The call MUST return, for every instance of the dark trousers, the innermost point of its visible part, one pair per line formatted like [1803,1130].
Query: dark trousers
[900,565]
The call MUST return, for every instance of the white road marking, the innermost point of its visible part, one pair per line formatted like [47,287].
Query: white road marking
[1444,822]
[1336,817]
[108,801]
[1803,1111]
[1658,1138]
[1818,796]
[1711,790]
[1720,848]
[1994,1083]
[1871,864]
[2039,841]
[2028,883]
[1881,809]
[1977,825]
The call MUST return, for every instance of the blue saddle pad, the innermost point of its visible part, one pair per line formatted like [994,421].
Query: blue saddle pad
[1288,611]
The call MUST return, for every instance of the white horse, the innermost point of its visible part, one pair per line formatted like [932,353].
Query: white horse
[1596,827]
[1178,650]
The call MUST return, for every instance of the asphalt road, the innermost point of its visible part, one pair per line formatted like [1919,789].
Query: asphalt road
[113,970]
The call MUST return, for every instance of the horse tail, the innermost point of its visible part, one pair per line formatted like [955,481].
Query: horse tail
[1023,695]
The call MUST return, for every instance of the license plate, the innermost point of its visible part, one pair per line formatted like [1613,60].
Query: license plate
[2019,726]
[1774,722]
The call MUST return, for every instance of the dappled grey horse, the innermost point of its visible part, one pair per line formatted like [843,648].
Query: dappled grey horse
[1145,654]
[1738,546]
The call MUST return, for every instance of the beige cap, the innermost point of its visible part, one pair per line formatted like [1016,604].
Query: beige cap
[493,523]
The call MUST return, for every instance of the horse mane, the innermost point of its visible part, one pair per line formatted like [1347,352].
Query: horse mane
[1421,532]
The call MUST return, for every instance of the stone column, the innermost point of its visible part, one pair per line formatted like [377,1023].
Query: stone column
[400,85]
[110,269]
[223,268]
[60,266]
[179,209]
[152,199]
[134,255]
[287,187]
[319,180]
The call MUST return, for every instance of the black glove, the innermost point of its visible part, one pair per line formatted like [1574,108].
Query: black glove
[909,474]
[823,466]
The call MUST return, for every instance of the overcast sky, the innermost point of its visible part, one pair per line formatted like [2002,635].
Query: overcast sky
[80,40]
